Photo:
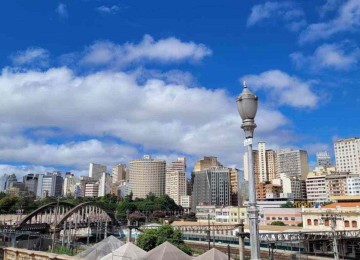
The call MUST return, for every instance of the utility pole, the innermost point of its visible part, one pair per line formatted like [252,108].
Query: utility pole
[332,218]
[55,223]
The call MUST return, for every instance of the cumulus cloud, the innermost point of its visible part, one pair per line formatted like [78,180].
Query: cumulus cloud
[287,12]
[108,9]
[156,115]
[329,56]
[61,10]
[34,56]
[164,50]
[346,20]
[284,89]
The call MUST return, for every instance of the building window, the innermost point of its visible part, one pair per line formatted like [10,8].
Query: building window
[347,223]
[309,222]
[316,222]
[354,223]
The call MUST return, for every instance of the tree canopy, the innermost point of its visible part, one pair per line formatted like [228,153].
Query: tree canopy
[151,238]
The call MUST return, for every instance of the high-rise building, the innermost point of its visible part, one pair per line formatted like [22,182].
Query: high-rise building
[104,184]
[82,184]
[119,173]
[146,176]
[347,155]
[31,183]
[91,189]
[96,171]
[292,163]
[271,165]
[189,186]
[175,185]
[39,193]
[206,163]
[52,184]
[234,186]
[323,159]
[69,185]
[264,163]
[11,179]
[262,174]
[211,187]
[316,188]
[3,181]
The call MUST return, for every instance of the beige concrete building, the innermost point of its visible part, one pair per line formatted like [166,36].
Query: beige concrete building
[206,163]
[348,211]
[147,175]
[175,185]
[292,163]
[347,155]
[234,189]
[69,185]
[119,174]
[91,189]
[230,214]
[265,164]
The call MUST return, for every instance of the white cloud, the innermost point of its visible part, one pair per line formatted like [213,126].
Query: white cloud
[329,56]
[286,12]
[164,50]
[32,56]
[62,10]
[283,88]
[329,6]
[108,9]
[347,20]
[155,115]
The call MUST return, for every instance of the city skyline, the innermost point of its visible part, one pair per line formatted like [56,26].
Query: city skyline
[107,85]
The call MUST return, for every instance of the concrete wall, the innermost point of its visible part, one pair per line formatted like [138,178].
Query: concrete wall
[11,253]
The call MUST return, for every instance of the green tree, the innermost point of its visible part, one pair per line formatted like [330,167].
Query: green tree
[148,239]
[8,204]
[287,205]
[278,223]
[151,238]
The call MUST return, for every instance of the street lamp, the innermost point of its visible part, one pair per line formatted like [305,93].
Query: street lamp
[247,104]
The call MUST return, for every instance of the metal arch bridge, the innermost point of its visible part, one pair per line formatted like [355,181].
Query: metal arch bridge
[56,215]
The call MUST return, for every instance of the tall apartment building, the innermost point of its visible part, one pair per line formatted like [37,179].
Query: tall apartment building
[211,187]
[3,181]
[10,180]
[147,175]
[91,189]
[104,184]
[96,171]
[206,163]
[323,159]
[31,182]
[265,164]
[337,184]
[316,188]
[175,185]
[119,173]
[69,185]
[52,185]
[353,185]
[292,163]
[347,155]
[234,186]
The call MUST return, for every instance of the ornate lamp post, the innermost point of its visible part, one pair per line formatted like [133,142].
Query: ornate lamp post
[247,104]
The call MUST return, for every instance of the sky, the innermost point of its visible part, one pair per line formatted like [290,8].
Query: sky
[109,81]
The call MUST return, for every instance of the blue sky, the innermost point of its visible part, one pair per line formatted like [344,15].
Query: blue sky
[107,81]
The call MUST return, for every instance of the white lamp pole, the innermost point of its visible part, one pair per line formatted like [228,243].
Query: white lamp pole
[247,104]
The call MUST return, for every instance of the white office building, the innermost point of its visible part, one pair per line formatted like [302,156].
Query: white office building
[347,155]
